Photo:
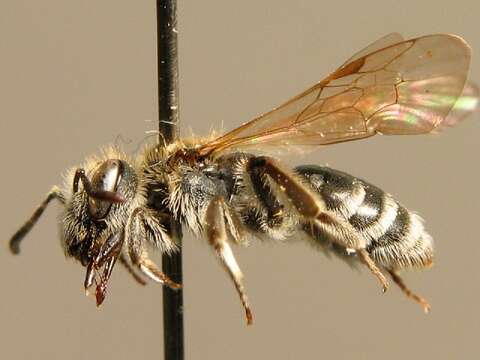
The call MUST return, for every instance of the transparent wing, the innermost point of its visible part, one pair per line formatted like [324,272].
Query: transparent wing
[407,87]
[382,43]
[466,103]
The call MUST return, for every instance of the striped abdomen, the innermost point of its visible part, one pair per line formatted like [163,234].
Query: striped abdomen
[394,236]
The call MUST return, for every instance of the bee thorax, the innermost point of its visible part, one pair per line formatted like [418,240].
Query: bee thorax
[191,189]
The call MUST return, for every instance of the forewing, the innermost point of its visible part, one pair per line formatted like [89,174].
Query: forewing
[405,88]
[382,43]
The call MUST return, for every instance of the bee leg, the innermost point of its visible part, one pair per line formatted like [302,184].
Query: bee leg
[215,229]
[150,269]
[310,206]
[17,238]
[131,271]
[139,255]
[306,204]
[266,196]
[363,254]
[399,281]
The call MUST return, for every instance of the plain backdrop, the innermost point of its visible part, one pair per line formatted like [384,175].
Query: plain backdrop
[75,75]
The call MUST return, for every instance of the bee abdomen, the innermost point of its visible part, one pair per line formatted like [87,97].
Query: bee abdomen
[394,236]
[405,243]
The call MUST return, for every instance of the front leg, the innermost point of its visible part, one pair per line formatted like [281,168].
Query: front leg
[215,230]
[138,252]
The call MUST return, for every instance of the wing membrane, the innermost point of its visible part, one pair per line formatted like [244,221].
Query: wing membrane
[386,41]
[464,106]
[406,87]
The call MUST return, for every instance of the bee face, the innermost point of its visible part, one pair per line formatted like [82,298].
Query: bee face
[90,216]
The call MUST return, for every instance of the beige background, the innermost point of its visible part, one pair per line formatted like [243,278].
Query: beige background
[76,74]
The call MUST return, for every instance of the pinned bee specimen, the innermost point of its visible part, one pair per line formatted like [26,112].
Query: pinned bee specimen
[223,190]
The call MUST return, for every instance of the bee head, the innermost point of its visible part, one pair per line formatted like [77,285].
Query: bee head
[97,198]
[103,194]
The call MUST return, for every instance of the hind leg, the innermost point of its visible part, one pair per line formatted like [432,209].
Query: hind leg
[311,207]
[399,281]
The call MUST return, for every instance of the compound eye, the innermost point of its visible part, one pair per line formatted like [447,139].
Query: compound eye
[105,178]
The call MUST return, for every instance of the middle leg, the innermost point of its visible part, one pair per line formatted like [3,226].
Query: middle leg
[216,232]
[367,260]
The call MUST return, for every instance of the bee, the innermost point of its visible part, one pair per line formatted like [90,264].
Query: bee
[229,189]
